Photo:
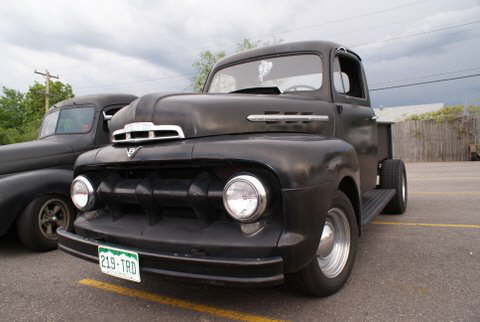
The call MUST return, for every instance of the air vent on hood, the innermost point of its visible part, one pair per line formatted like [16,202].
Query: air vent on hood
[147,131]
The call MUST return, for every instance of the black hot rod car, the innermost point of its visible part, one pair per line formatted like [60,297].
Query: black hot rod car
[35,176]
[269,174]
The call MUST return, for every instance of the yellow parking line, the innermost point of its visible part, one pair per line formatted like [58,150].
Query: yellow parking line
[379,222]
[441,193]
[442,178]
[232,315]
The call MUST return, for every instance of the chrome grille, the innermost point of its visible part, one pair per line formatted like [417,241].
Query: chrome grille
[147,131]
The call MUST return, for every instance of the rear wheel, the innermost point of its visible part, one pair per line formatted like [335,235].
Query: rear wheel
[394,176]
[37,225]
[333,263]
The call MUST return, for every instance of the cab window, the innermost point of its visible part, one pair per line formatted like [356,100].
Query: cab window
[347,77]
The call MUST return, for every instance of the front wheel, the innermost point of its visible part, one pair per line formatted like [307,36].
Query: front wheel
[37,225]
[333,263]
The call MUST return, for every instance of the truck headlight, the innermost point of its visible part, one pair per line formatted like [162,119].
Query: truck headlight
[245,198]
[82,193]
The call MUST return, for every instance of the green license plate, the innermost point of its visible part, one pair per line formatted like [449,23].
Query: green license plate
[119,263]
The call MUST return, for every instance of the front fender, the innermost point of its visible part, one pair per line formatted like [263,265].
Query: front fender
[299,160]
[309,169]
[18,190]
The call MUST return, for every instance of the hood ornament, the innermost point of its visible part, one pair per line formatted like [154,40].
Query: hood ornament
[131,152]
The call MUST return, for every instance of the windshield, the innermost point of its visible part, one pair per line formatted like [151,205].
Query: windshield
[68,121]
[287,73]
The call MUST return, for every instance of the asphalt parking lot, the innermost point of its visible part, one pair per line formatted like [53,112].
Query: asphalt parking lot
[422,266]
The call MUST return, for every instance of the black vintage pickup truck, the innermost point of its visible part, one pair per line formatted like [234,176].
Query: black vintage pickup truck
[35,176]
[268,175]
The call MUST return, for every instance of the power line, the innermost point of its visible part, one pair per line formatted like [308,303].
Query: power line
[424,83]
[368,14]
[185,76]
[417,34]
[425,76]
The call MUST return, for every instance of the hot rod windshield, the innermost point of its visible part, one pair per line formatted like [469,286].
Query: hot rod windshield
[287,73]
[68,121]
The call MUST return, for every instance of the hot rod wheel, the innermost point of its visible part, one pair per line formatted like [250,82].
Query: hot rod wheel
[37,225]
[333,263]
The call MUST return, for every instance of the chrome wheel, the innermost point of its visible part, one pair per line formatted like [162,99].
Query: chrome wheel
[53,214]
[334,246]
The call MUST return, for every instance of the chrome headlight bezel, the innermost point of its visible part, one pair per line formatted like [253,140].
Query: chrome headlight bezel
[261,194]
[90,193]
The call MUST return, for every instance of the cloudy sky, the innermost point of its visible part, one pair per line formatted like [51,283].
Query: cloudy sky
[146,46]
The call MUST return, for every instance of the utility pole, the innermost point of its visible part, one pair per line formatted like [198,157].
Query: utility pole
[47,76]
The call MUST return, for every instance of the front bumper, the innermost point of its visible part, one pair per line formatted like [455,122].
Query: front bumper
[212,270]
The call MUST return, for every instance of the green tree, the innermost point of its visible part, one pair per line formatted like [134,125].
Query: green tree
[247,44]
[447,113]
[35,98]
[12,111]
[203,67]
[208,59]
[21,114]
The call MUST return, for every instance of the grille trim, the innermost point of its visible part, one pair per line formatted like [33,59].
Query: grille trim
[145,132]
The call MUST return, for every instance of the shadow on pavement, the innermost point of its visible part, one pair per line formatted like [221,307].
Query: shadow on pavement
[11,246]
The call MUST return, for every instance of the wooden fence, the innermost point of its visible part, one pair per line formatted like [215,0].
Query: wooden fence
[435,141]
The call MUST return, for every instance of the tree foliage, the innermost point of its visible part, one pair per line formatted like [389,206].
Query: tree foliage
[448,113]
[208,59]
[21,113]
[203,67]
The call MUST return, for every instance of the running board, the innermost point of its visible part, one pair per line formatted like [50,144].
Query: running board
[373,202]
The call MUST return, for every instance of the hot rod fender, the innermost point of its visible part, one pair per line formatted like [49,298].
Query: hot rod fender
[18,190]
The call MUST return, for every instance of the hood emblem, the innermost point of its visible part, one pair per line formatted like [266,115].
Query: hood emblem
[131,152]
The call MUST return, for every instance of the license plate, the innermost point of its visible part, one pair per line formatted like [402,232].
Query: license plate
[119,263]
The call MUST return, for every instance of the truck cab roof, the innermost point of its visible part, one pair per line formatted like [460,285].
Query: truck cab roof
[100,101]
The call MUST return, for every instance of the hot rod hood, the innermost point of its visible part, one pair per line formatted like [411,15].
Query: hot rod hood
[31,155]
[201,115]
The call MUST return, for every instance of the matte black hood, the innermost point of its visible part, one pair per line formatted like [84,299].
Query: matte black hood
[37,154]
[216,114]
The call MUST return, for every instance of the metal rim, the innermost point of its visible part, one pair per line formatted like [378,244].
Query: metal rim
[53,214]
[334,246]
[404,189]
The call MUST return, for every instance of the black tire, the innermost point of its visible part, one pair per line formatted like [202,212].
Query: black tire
[29,228]
[394,176]
[311,280]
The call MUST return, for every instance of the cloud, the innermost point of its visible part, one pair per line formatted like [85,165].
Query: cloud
[145,46]
[429,36]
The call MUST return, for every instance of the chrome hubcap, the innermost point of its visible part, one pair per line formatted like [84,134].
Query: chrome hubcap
[334,246]
[327,240]
[53,214]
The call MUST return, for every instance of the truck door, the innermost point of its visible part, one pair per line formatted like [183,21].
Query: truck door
[356,118]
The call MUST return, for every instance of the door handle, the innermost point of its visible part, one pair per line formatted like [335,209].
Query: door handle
[372,118]
[339,108]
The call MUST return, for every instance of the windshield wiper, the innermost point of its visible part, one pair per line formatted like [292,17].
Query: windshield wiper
[258,90]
